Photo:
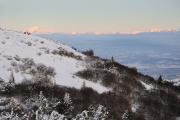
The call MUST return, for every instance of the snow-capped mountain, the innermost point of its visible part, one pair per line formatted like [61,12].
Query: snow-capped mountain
[18,48]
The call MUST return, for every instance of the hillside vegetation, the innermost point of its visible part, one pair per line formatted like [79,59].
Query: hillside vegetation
[45,80]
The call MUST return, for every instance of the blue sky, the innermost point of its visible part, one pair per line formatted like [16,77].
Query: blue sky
[100,16]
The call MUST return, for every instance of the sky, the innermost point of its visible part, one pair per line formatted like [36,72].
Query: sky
[90,16]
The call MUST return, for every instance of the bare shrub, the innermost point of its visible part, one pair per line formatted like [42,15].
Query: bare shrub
[29,43]
[60,51]
[41,74]
[105,77]
[86,74]
[39,53]
[28,61]
[13,63]
[3,42]
[17,58]
[42,80]
[7,37]
[27,64]
[45,70]
[27,33]
[8,57]
[46,51]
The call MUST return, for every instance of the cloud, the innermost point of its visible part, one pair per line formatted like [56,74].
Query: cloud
[162,30]
[33,29]
[135,32]
[37,29]
[156,30]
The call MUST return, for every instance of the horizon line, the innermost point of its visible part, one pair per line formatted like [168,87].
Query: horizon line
[110,33]
[37,30]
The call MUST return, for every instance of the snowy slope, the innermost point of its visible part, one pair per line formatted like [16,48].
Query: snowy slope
[147,86]
[13,44]
[175,82]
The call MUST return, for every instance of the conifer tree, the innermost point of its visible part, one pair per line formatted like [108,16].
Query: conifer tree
[11,79]
[68,104]
[127,115]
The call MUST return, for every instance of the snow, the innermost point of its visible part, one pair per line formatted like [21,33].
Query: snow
[28,46]
[178,118]
[135,107]
[147,86]
[176,82]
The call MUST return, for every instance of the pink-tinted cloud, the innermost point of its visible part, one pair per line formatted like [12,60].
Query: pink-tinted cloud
[33,29]
[156,30]
[37,29]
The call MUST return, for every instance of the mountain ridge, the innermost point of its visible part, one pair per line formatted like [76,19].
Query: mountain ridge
[32,65]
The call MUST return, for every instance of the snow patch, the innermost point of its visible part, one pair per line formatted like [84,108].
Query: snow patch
[134,107]
[147,86]
[175,82]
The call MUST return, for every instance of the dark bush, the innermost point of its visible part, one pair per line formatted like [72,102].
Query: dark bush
[86,74]
[27,33]
[60,51]
[109,79]
[88,52]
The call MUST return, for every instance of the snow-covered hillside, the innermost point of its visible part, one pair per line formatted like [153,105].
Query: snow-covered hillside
[39,63]
[18,49]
